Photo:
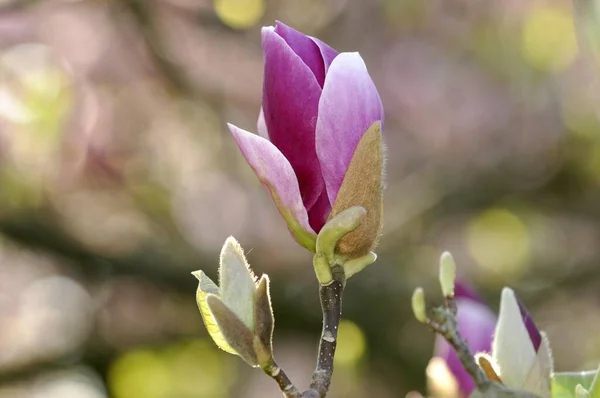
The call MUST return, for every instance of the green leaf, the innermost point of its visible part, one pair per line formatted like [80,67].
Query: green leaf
[237,282]
[581,392]
[564,383]
[207,286]
[594,389]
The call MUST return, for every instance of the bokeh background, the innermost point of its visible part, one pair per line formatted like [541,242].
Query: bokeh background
[118,178]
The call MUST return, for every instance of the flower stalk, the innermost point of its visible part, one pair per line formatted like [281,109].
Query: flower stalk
[331,305]
[286,386]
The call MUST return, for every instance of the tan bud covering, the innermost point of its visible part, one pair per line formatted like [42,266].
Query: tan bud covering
[363,186]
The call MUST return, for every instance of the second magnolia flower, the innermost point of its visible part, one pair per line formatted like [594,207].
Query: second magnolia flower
[320,147]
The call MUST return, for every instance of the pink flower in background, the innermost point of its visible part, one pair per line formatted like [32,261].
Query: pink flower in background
[317,105]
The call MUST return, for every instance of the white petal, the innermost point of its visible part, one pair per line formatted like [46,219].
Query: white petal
[512,348]
[539,378]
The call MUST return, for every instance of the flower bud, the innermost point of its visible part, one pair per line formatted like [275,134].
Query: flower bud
[238,313]
[447,274]
[524,361]
[418,305]
[316,135]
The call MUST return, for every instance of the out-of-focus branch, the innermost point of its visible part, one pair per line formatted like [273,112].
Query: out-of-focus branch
[172,74]
[17,5]
[41,231]
[444,323]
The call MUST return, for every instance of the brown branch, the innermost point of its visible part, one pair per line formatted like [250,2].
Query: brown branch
[283,381]
[444,323]
[331,305]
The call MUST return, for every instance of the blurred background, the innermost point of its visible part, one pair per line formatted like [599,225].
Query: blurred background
[118,178]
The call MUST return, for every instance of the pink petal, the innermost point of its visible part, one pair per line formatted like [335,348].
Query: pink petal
[261,125]
[349,105]
[290,103]
[274,170]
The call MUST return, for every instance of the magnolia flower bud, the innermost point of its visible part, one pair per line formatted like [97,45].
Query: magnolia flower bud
[237,314]
[320,149]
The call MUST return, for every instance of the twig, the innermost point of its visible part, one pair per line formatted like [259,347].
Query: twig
[444,323]
[283,381]
[331,305]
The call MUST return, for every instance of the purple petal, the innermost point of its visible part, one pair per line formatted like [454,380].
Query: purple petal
[476,323]
[290,103]
[306,48]
[534,333]
[319,213]
[273,170]
[327,53]
[349,105]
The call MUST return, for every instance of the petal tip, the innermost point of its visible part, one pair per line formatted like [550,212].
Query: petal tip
[266,32]
[197,274]
[237,132]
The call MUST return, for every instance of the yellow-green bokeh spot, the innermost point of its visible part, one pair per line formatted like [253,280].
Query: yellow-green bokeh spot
[549,41]
[198,369]
[351,344]
[188,368]
[499,241]
[17,191]
[38,96]
[139,373]
[240,14]
[205,287]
